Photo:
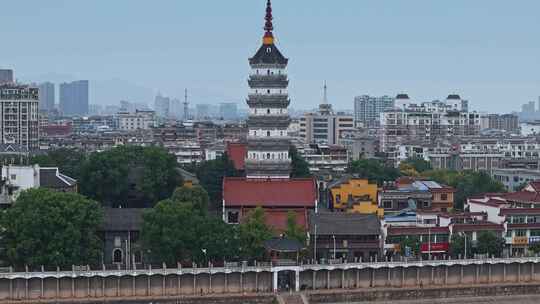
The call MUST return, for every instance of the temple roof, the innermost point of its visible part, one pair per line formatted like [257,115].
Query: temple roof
[268,54]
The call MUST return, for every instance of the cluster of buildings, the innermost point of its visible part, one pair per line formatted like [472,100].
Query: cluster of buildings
[343,216]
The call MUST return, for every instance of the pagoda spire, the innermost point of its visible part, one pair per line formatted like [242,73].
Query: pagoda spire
[268,26]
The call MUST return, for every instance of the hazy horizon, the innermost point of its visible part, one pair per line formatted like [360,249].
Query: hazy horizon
[486,51]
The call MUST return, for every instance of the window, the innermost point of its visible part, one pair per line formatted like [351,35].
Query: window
[535,232]
[13,176]
[137,257]
[518,220]
[232,217]
[521,232]
[268,133]
[267,155]
[117,256]
[117,241]
[444,197]
[267,111]
[268,91]
[387,204]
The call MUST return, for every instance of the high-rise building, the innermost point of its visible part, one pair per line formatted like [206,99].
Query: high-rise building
[268,100]
[19,115]
[6,76]
[162,106]
[203,112]
[368,109]
[228,111]
[138,120]
[426,123]
[46,96]
[505,122]
[325,126]
[74,98]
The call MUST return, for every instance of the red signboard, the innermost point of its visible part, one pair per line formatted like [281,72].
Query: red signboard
[435,247]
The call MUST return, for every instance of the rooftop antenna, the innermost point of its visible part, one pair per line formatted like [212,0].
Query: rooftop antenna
[186,106]
[325,96]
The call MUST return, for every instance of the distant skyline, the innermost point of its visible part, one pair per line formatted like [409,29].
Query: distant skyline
[486,51]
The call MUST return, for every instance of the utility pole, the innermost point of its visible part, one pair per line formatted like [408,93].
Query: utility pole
[315,245]
[334,237]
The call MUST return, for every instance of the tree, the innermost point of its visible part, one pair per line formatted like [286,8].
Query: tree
[211,174]
[253,232]
[174,231]
[299,166]
[457,246]
[294,231]
[535,248]
[418,164]
[374,170]
[407,169]
[51,228]
[169,231]
[130,176]
[412,242]
[195,195]
[489,243]
[69,161]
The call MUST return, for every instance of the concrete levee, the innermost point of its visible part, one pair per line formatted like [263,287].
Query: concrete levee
[206,282]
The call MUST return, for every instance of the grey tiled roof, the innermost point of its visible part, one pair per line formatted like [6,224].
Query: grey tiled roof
[268,54]
[123,219]
[51,178]
[338,223]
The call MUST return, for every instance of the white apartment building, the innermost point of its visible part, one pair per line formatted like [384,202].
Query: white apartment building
[325,126]
[368,109]
[426,123]
[19,115]
[140,120]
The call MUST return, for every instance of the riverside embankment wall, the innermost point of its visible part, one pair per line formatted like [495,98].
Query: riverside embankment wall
[155,283]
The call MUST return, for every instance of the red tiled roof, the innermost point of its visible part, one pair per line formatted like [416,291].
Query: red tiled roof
[443,189]
[490,202]
[242,192]
[277,219]
[524,226]
[519,211]
[535,185]
[407,230]
[489,195]
[462,215]
[523,196]
[237,152]
[485,226]
[405,180]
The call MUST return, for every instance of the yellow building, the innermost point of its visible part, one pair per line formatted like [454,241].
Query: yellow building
[355,195]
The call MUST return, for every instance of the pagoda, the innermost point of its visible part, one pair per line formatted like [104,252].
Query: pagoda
[267,183]
[268,100]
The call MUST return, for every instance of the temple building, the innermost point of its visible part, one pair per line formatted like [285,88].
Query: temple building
[267,163]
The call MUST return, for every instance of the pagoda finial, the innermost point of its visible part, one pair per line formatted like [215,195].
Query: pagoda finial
[268,26]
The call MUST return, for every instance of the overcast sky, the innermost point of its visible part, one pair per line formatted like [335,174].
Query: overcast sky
[488,51]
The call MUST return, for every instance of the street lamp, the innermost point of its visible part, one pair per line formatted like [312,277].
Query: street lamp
[334,237]
[465,242]
[205,256]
